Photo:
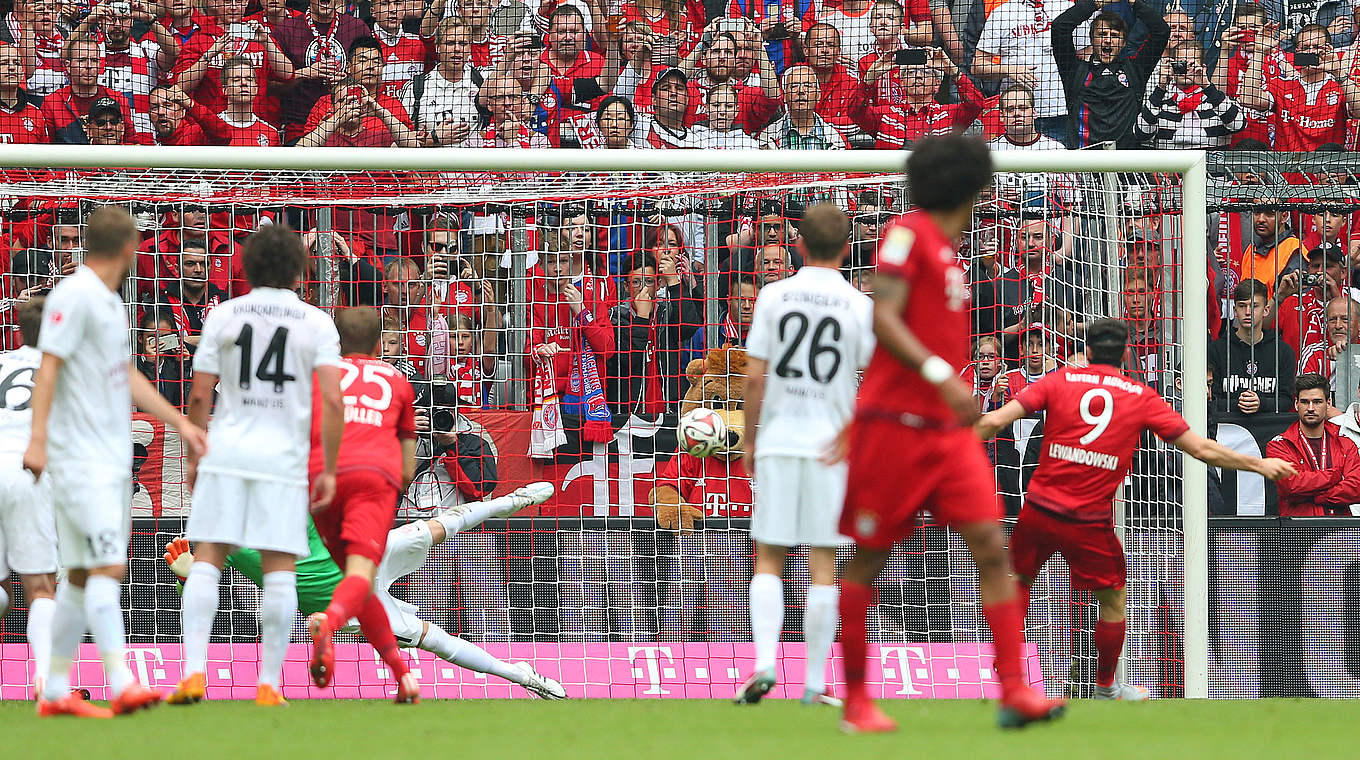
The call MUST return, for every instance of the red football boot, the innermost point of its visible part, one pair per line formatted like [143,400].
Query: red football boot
[1024,705]
[135,697]
[862,716]
[323,653]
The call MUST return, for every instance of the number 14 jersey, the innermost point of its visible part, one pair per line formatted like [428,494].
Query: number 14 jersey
[814,331]
[1094,418]
[264,347]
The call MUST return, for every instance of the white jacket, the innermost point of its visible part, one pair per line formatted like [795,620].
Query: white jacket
[1349,424]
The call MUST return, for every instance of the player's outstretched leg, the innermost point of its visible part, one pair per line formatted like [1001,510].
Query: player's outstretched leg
[378,630]
[466,654]
[1109,641]
[1020,704]
[857,594]
[468,515]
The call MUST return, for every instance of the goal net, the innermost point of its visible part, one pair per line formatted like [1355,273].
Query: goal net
[631,581]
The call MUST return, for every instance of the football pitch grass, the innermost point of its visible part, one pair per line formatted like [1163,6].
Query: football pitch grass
[692,730]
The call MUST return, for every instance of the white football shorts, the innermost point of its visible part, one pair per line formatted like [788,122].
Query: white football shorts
[798,501]
[28,529]
[93,513]
[249,513]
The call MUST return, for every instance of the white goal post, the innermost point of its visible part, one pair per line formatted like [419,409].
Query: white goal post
[1190,165]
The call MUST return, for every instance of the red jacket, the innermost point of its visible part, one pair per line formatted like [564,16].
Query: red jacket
[1321,487]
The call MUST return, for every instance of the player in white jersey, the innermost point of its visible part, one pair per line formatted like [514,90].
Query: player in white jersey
[82,437]
[251,487]
[28,531]
[810,335]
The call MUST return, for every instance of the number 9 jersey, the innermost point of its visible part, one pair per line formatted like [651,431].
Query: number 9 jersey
[264,347]
[1094,419]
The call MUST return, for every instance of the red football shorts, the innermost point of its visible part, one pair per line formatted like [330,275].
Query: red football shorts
[1092,550]
[360,516]
[897,470]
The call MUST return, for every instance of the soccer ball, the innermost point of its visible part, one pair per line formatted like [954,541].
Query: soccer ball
[702,432]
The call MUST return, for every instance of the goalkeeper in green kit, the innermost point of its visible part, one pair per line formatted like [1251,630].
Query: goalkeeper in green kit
[407,549]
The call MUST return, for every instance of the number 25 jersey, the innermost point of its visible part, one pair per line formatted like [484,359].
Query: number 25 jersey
[915,251]
[264,347]
[1093,419]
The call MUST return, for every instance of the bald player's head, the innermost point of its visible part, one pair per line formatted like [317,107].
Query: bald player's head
[824,234]
[360,328]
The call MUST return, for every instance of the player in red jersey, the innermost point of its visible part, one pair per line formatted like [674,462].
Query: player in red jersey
[1095,416]
[914,416]
[377,459]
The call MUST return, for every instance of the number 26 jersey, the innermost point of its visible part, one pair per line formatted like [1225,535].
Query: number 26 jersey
[264,347]
[1094,417]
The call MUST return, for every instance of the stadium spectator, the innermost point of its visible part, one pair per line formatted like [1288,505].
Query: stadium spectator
[272,13]
[1309,106]
[1334,225]
[1140,315]
[357,114]
[1300,303]
[616,121]
[920,114]
[740,304]
[443,102]
[1343,349]
[404,294]
[1182,28]
[1237,47]
[568,60]
[650,326]
[359,277]
[1105,91]
[667,127]
[161,357]
[799,127]
[170,122]
[822,53]
[473,359]
[780,23]
[132,67]
[404,53]
[1020,123]
[105,125]
[679,22]
[1254,368]
[317,46]
[238,124]
[190,297]
[184,20]
[1273,251]
[198,69]
[722,130]
[21,116]
[865,25]
[1185,109]
[1015,48]
[33,25]
[1328,463]
[774,264]
[570,341]
[508,116]
[66,109]
[757,92]
[1042,276]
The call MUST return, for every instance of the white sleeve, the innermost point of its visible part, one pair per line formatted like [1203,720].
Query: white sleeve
[758,340]
[990,41]
[327,342]
[865,312]
[63,325]
[208,357]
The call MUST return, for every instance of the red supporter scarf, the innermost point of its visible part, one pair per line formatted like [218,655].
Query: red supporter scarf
[1189,101]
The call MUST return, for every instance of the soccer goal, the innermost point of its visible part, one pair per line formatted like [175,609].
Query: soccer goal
[631,581]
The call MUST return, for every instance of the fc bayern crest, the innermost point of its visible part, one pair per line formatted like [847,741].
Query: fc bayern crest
[1253,368]
[549,101]
[1333,98]
[1123,79]
[28,124]
[420,339]
[263,140]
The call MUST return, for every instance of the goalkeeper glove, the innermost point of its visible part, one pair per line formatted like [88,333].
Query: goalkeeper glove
[179,557]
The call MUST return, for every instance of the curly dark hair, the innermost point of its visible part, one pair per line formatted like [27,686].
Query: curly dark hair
[274,257]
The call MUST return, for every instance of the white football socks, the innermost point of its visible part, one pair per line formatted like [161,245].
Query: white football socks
[104,616]
[40,613]
[68,628]
[819,630]
[466,654]
[767,617]
[4,597]
[278,608]
[198,608]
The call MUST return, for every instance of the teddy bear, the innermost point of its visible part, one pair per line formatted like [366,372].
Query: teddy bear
[689,488]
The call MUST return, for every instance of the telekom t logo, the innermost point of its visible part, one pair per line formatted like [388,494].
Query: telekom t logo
[647,664]
[898,660]
[147,664]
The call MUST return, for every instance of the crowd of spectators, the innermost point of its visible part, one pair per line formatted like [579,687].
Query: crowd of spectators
[781,74]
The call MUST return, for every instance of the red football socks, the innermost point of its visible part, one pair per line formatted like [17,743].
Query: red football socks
[347,599]
[1109,641]
[1007,624]
[854,604]
[378,630]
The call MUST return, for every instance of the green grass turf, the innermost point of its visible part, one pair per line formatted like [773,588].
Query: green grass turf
[693,730]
